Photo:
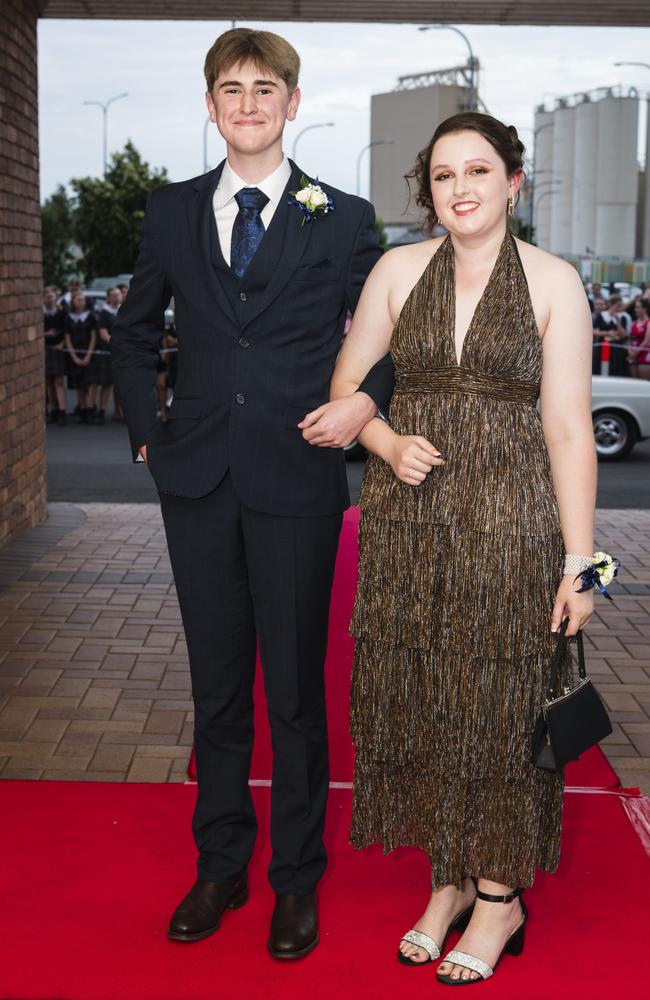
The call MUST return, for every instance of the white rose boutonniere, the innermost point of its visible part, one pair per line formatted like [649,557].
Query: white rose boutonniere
[311,200]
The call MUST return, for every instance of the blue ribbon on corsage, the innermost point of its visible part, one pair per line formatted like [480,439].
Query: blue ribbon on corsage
[600,574]
[311,200]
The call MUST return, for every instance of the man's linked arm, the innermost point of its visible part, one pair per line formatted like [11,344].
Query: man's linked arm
[380,380]
[136,334]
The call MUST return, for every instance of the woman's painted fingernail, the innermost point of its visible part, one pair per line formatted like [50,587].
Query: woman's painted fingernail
[554,628]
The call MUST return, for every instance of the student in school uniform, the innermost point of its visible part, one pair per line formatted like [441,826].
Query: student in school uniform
[55,368]
[80,341]
[102,358]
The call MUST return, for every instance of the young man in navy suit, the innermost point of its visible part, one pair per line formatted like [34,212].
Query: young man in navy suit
[262,281]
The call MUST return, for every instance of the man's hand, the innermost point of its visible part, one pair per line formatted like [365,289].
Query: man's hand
[143,452]
[339,422]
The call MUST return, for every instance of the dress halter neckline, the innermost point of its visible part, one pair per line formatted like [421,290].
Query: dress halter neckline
[450,262]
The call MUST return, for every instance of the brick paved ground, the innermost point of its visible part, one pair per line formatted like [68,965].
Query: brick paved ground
[94,684]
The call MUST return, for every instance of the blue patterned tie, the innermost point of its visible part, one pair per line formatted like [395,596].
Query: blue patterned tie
[247,230]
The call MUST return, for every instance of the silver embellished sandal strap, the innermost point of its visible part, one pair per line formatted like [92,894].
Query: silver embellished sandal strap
[470,962]
[423,941]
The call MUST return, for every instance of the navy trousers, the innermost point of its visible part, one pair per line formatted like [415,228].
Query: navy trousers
[244,577]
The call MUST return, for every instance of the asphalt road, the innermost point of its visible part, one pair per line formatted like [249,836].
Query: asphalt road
[93,464]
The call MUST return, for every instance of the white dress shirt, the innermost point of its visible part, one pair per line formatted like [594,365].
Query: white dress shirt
[226,208]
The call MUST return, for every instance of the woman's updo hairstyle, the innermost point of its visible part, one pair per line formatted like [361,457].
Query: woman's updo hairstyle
[503,138]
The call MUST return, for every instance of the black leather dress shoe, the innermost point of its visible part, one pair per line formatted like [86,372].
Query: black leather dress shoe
[199,914]
[294,926]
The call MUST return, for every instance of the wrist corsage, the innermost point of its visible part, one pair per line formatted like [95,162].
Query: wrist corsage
[311,200]
[594,571]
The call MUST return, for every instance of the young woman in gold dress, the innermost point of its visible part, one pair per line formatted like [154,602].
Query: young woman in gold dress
[471,504]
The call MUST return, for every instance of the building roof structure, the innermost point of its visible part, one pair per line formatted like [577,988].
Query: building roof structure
[552,12]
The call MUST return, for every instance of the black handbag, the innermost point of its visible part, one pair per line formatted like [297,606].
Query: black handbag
[573,721]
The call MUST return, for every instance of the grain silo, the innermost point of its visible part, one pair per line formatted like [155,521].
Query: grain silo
[616,175]
[542,177]
[562,196]
[583,228]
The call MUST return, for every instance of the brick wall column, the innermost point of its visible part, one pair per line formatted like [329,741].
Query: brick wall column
[22,390]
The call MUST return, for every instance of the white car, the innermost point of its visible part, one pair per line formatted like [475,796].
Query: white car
[621,413]
[620,409]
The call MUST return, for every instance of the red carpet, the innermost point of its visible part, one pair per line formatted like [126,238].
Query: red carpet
[592,771]
[90,874]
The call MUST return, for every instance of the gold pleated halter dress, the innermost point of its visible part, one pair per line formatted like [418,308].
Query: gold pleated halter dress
[457,579]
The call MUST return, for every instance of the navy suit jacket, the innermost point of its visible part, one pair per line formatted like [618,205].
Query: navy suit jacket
[255,355]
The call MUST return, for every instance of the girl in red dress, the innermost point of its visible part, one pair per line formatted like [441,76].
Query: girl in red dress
[639,350]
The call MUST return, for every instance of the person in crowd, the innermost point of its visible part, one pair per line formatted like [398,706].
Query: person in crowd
[161,381]
[469,503]
[170,345]
[65,300]
[598,308]
[628,307]
[80,340]
[118,415]
[624,317]
[104,365]
[595,293]
[610,327]
[638,356]
[55,363]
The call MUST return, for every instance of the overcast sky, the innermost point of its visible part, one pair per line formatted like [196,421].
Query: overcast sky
[160,64]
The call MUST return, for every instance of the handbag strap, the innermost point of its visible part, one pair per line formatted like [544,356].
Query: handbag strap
[557,656]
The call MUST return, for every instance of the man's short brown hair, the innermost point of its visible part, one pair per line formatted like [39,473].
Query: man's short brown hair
[262,48]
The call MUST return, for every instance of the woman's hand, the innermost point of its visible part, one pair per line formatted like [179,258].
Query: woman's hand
[578,608]
[412,458]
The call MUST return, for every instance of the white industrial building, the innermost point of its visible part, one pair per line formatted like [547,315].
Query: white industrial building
[586,187]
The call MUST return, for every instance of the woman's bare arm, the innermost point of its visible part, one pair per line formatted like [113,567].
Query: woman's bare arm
[367,341]
[568,428]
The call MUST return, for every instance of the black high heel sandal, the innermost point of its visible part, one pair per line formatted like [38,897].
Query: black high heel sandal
[427,943]
[513,946]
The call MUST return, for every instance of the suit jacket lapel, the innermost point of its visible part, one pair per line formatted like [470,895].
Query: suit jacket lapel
[201,218]
[287,242]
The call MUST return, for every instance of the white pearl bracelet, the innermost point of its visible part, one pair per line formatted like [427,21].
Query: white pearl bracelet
[574,565]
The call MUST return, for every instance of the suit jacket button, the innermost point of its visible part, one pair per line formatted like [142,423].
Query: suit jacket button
[242,296]
[240,398]
[243,342]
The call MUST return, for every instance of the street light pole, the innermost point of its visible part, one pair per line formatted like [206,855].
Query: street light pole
[473,96]
[547,194]
[307,129]
[533,184]
[105,108]
[377,142]
[533,192]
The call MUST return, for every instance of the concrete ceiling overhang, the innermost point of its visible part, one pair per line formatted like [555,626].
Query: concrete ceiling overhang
[548,12]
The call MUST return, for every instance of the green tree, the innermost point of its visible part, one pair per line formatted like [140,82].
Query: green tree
[522,229]
[109,212]
[381,232]
[56,220]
